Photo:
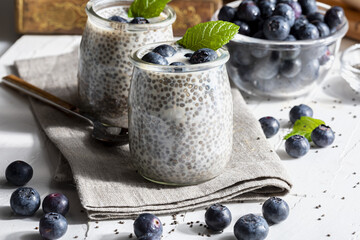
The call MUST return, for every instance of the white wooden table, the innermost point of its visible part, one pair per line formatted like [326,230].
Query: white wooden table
[324,201]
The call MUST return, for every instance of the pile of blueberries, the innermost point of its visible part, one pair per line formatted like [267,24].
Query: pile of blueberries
[289,68]
[25,201]
[161,52]
[297,145]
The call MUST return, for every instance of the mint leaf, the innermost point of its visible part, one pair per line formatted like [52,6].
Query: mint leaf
[211,35]
[147,8]
[304,126]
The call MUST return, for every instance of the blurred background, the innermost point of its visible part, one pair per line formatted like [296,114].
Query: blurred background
[7,24]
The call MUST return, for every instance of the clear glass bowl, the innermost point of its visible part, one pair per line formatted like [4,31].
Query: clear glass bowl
[350,66]
[261,67]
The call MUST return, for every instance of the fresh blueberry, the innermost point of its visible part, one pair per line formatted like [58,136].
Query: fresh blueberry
[299,111]
[165,50]
[297,146]
[316,16]
[188,55]
[217,217]
[244,28]
[276,28]
[267,67]
[118,19]
[323,28]
[18,173]
[148,227]
[310,70]
[240,55]
[308,6]
[266,8]
[259,52]
[251,227]
[227,13]
[25,201]
[56,202]
[322,136]
[307,31]
[53,226]
[297,9]
[284,1]
[290,68]
[270,126]
[334,17]
[275,210]
[177,64]
[155,58]
[299,22]
[248,11]
[285,11]
[203,55]
[139,20]
[259,35]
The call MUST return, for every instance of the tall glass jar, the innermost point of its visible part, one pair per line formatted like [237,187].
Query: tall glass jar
[180,122]
[105,70]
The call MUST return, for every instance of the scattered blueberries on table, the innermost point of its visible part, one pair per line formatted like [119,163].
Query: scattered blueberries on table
[56,202]
[298,111]
[275,210]
[148,227]
[218,217]
[53,226]
[270,126]
[297,146]
[322,136]
[165,50]
[25,201]
[18,173]
[251,227]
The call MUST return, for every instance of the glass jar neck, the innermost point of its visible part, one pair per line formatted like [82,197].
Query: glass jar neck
[94,6]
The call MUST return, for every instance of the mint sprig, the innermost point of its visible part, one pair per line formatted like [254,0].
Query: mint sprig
[211,35]
[147,8]
[304,126]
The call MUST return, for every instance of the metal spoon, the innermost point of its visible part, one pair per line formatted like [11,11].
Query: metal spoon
[101,131]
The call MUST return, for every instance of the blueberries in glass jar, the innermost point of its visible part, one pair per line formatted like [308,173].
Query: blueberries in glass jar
[299,22]
[308,6]
[275,210]
[297,146]
[244,28]
[267,67]
[165,50]
[307,31]
[276,28]
[334,17]
[227,13]
[309,70]
[203,55]
[290,68]
[297,9]
[25,201]
[177,64]
[270,126]
[118,19]
[323,29]
[248,11]
[285,11]
[266,8]
[53,226]
[299,111]
[56,202]
[217,217]
[148,227]
[251,227]
[18,173]
[139,20]
[316,16]
[326,57]
[154,58]
[322,136]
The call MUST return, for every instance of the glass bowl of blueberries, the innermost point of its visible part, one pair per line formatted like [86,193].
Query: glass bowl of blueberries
[284,48]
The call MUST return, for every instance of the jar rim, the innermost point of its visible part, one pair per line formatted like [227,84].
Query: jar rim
[135,58]
[90,11]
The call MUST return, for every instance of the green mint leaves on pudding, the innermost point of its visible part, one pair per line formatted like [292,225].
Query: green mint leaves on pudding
[211,35]
[304,126]
[147,8]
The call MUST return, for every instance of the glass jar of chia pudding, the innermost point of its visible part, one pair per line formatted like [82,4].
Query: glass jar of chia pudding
[180,118]
[104,71]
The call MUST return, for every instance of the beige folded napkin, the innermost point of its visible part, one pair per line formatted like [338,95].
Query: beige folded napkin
[108,186]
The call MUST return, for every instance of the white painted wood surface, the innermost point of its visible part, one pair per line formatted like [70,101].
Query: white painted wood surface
[324,201]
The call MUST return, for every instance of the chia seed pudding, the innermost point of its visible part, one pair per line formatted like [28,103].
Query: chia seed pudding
[105,70]
[180,118]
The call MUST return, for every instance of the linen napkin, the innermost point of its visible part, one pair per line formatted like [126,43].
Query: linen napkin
[109,188]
